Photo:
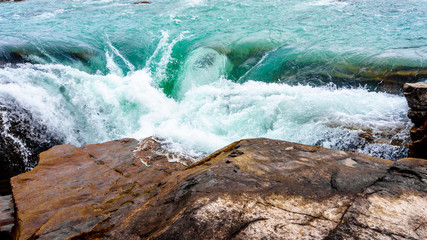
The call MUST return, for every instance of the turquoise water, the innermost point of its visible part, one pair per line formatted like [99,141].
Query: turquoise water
[201,74]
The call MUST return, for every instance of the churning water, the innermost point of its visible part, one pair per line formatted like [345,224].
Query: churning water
[201,74]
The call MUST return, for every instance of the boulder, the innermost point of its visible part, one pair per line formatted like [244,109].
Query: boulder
[416,96]
[251,189]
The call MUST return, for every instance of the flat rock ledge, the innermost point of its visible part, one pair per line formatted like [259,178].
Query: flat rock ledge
[251,189]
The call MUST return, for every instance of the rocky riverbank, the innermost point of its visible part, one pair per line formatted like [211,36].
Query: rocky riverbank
[251,189]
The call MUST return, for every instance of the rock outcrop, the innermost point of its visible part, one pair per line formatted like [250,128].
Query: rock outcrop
[251,189]
[416,96]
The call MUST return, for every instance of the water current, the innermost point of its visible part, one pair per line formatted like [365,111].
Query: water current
[200,74]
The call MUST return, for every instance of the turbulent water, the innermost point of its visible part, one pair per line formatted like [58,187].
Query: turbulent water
[201,73]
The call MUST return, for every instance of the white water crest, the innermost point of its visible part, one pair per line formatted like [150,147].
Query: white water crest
[90,108]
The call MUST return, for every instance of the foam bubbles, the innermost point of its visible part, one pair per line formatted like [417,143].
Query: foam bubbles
[89,108]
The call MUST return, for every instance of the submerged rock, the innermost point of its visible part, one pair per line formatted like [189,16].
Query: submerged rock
[142,2]
[251,189]
[11,0]
[416,95]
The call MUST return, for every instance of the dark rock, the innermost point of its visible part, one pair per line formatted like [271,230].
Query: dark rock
[417,117]
[22,138]
[251,189]
[417,132]
[11,58]
[416,95]
[418,147]
[142,2]
[66,53]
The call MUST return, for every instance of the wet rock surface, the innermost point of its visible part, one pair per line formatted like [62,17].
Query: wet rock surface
[22,138]
[416,96]
[87,192]
[251,189]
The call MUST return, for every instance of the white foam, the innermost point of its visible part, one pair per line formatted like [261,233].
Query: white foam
[130,66]
[112,66]
[162,55]
[17,142]
[96,108]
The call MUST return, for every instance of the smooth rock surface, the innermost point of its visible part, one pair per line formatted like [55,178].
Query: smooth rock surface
[251,189]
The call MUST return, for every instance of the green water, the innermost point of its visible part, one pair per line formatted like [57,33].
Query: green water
[201,74]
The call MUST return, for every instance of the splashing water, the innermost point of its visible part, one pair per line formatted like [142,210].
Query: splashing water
[202,74]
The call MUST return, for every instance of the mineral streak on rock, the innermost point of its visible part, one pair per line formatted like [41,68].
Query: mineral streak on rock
[416,95]
[395,207]
[251,189]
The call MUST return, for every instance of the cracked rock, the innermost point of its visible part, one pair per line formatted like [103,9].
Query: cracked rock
[251,189]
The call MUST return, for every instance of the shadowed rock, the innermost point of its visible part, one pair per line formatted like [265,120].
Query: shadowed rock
[251,189]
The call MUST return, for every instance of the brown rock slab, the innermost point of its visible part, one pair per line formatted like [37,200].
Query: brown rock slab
[251,189]
[85,192]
